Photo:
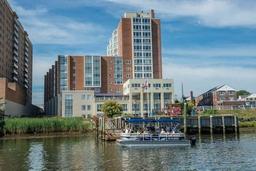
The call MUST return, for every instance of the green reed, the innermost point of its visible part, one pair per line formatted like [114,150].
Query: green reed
[45,125]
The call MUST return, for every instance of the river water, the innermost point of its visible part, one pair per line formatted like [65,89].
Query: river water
[220,152]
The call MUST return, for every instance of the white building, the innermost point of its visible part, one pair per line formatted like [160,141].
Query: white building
[251,100]
[140,97]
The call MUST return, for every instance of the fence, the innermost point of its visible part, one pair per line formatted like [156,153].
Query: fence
[242,107]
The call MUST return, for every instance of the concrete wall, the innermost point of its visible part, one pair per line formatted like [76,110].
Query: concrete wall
[16,109]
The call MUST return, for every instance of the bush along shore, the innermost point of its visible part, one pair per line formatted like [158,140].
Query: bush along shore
[20,126]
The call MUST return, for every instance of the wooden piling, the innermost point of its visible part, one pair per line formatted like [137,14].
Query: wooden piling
[223,124]
[199,124]
[211,129]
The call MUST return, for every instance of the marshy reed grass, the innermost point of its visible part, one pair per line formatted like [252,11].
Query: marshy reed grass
[20,126]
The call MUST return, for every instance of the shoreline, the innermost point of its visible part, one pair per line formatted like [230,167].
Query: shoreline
[242,130]
[47,135]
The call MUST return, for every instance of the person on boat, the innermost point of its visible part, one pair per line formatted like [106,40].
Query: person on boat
[162,131]
[126,131]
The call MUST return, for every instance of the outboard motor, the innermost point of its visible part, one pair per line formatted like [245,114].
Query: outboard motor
[192,140]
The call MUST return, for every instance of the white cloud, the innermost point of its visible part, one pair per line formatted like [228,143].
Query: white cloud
[200,79]
[214,13]
[46,28]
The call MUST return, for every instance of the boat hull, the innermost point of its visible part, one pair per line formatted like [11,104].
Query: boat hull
[154,143]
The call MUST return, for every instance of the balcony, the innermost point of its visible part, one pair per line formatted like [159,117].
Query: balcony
[26,54]
[26,75]
[15,78]
[15,59]
[26,86]
[16,40]
[15,46]
[26,70]
[16,27]
[26,59]
[26,49]
[15,72]
[15,53]
[16,34]
[15,66]
[26,44]
[26,65]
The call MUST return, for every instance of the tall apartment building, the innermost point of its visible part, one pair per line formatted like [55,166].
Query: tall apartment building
[15,63]
[133,58]
[137,39]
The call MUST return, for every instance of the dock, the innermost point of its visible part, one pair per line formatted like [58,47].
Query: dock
[212,124]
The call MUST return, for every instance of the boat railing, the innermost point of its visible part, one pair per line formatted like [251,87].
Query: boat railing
[151,137]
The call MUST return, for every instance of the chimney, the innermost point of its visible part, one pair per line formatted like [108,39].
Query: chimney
[191,95]
[152,13]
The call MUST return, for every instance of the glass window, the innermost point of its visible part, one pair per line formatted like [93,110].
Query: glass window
[167,85]
[83,96]
[83,107]
[99,107]
[157,85]
[88,107]
[68,105]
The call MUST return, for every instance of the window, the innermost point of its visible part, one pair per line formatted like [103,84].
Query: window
[138,68]
[146,47]
[167,96]
[138,61]
[157,96]
[137,40]
[146,106]
[222,92]
[231,92]
[83,97]
[146,27]
[88,97]
[147,68]
[135,107]
[99,107]
[167,85]
[83,107]
[135,85]
[157,107]
[157,85]
[146,20]
[136,34]
[146,34]
[137,47]
[146,41]
[147,75]
[68,105]
[88,107]
[124,107]
[138,75]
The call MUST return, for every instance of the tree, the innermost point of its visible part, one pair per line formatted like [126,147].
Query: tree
[111,108]
[242,93]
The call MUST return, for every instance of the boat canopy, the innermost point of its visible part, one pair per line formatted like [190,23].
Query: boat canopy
[152,120]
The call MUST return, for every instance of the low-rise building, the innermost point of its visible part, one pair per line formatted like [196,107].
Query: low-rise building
[219,96]
[250,101]
[140,97]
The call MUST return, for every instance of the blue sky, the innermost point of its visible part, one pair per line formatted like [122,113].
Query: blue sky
[204,42]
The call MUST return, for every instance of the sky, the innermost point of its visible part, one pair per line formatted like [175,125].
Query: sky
[205,43]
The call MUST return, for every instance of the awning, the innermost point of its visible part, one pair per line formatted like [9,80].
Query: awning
[151,120]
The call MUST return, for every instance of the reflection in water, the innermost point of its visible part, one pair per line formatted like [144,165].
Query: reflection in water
[85,153]
[36,156]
